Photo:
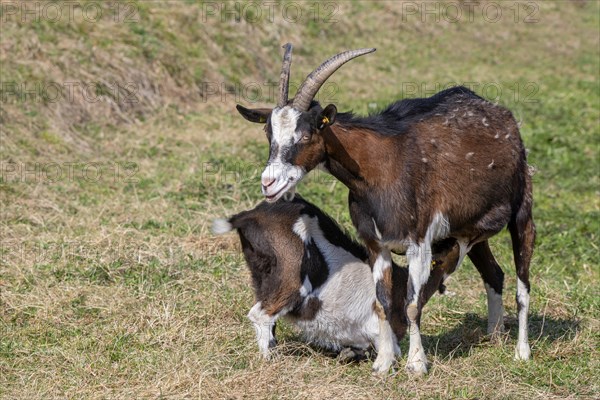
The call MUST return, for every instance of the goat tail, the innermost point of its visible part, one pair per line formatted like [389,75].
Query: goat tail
[242,221]
[221,226]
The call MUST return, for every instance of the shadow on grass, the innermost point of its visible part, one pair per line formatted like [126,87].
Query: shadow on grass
[471,331]
[458,341]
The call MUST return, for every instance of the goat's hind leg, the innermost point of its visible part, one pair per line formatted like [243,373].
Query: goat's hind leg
[522,232]
[493,279]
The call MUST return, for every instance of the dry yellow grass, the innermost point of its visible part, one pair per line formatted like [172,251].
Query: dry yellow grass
[112,287]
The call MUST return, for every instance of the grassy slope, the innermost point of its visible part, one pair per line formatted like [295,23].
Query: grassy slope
[112,286]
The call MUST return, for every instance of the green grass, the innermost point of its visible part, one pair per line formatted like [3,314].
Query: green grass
[113,287]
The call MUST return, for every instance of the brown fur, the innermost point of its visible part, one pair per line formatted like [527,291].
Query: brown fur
[454,153]
[269,228]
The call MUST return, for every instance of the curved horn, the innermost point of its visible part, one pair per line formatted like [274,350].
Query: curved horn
[317,78]
[284,78]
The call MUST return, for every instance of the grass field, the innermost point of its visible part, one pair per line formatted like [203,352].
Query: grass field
[120,143]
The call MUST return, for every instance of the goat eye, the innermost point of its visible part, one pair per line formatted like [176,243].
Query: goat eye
[306,138]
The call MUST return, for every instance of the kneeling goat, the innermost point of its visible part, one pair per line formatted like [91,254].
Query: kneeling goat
[305,268]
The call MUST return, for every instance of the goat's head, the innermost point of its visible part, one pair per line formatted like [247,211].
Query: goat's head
[294,127]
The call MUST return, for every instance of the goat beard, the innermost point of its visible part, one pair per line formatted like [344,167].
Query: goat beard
[289,195]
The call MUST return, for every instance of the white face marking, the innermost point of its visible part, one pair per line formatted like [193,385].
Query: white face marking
[283,124]
[495,311]
[280,176]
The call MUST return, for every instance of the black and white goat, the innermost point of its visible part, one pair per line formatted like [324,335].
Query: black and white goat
[449,166]
[305,268]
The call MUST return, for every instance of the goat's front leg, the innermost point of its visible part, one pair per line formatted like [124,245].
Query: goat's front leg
[419,261]
[381,262]
[264,326]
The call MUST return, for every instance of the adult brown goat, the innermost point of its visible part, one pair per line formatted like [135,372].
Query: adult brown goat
[451,165]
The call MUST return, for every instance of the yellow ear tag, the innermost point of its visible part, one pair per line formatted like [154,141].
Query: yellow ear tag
[262,119]
[325,120]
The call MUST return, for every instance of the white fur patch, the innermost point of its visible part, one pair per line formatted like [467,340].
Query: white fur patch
[382,263]
[419,255]
[301,229]
[495,311]
[438,229]
[419,263]
[387,348]
[523,351]
[346,317]
[263,327]
[221,226]
[464,248]
[335,256]
[283,124]
[417,360]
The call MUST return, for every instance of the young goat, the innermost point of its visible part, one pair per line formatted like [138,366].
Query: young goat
[305,268]
[449,166]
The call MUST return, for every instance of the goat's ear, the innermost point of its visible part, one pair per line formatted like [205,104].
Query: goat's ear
[327,116]
[258,115]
